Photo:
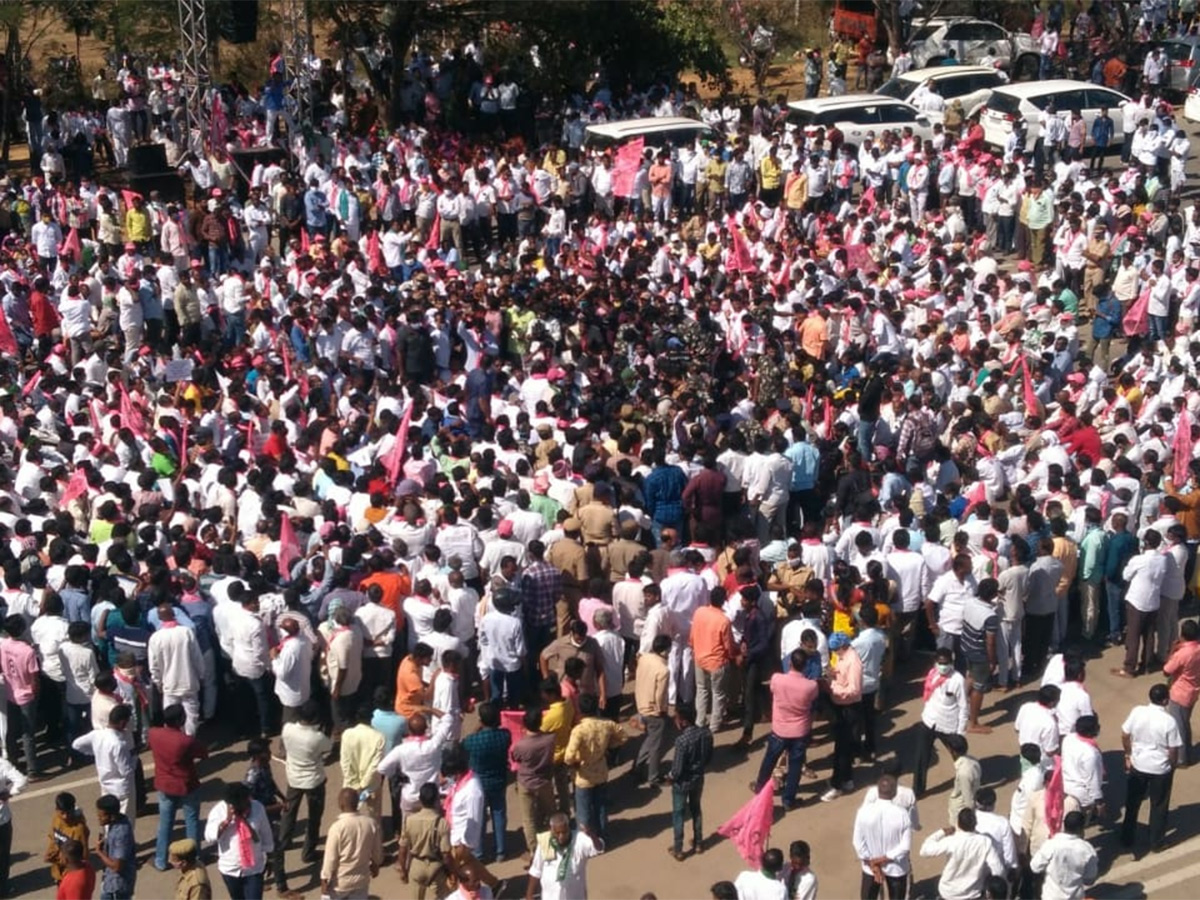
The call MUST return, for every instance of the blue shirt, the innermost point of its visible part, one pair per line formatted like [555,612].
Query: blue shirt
[76,605]
[870,646]
[119,844]
[315,205]
[805,460]
[664,494]
[1107,322]
[1102,130]
[391,725]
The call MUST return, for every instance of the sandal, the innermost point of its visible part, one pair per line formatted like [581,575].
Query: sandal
[677,855]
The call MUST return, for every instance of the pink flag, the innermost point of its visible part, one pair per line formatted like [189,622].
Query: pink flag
[1031,400]
[183,436]
[8,343]
[625,167]
[375,254]
[127,197]
[219,123]
[76,486]
[686,290]
[289,546]
[858,257]
[304,243]
[71,246]
[739,259]
[131,416]
[31,383]
[828,419]
[1136,321]
[512,721]
[395,459]
[434,241]
[750,827]
[808,402]
[1181,448]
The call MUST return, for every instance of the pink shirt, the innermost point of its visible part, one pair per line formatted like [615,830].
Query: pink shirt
[1184,666]
[792,699]
[19,663]
[588,606]
[846,686]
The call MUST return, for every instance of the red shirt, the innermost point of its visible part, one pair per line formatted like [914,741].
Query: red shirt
[44,315]
[175,756]
[77,885]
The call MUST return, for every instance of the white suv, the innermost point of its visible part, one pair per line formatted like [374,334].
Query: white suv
[971,85]
[856,114]
[1026,101]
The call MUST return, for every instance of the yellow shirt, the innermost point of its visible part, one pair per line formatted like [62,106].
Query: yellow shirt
[559,718]
[362,752]
[587,750]
[715,173]
[769,173]
[137,226]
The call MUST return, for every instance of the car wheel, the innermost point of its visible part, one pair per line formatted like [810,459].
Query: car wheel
[1026,68]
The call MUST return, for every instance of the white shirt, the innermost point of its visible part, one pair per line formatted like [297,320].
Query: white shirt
[1069,863]
[757,886]
[292,667]
[574,882]
[80,669]
[113,753]
[420,759]
[1082,770]
[466,815]
[229,848]
[378,628]
[970,858]
[247,641]
[13,781]
[997,828]
[49,633]
[946,708]
[501,641]
[883,829]
[905,798]
[1152,733]
[912,578]
[950,595]
[1037,725]
[1073,702]
[175,662]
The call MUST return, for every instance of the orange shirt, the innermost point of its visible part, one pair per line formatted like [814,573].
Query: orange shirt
[712,638]
[814,333]
[395,587]
[410,690]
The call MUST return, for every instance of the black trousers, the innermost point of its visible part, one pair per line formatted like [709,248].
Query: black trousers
[1038,631]
[1139,787]
[312,828]
[6,831]
[845,747]
[897,887]
[924,738]
[866,724]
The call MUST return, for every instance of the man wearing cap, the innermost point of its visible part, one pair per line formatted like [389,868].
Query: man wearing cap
[193,881]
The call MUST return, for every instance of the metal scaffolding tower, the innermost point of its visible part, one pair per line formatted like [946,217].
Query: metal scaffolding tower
[296,27]
[193,30]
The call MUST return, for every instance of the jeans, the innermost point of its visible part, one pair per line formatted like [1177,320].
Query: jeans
[796,748]
[6,831]
[235,329]
[591,808]
[497,801]
[897,887]
[78,722]
[247,887]
[1038,630]
[167,806]
[27,713]
[751,687]
[866,438]
[845,724]
[1159,327]
[1114,594]
[685,804]
[506,688]
[1140,786]
[1005,226]
[218,259]
[260,689]
[1183,718]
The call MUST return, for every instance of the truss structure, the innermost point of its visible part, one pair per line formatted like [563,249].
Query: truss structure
[296,25]
[193,30]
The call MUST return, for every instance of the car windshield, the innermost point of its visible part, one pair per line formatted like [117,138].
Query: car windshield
[1004,103]
[924,33]
[899,88]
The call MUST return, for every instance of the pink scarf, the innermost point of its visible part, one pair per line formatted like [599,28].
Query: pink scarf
[245,843]
[1055,796]
[459,783]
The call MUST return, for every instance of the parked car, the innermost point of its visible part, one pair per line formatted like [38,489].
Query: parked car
[856,114]
[972,85]
[1026,101]
[973,40]
[658,131]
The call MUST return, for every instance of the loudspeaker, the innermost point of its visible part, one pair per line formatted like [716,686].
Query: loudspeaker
[146,159]
[240,24]
[168,184]
[245,160]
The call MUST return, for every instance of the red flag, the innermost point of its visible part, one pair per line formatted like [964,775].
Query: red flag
[31,383]
[76,486]
[739,259]
[1031,400]
[686,290]
[434,241]
[512,721]
[828,418]
[289,546]
[625,167]
[1181,448]
[750,827]
[131,416]
[71,246]
[808,402]
[395,459]
[183,436]
[127,197]
[8,343]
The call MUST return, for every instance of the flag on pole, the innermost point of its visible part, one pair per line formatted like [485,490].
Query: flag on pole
[808,402]
[304,242]
[31,383]
[739,259]
[1181,448]
[395,458]
[289,546]
[131,416]
[128,196]
[750,827]
[219,122]
[374,255]
[434,241]
[625,167]
[1031,400]
[76,486]
[71,246]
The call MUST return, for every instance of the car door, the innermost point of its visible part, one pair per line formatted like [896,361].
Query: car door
[961,37]
[1099,98]
[856,121]
[988,35]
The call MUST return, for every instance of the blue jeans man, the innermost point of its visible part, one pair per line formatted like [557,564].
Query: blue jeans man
[796,749]
[591,808]
[685,804]
[497,801]
[168,804]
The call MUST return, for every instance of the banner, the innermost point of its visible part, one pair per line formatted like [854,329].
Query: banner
[625,167]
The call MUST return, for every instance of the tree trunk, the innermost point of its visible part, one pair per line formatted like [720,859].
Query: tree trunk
[401,31]
[12,57]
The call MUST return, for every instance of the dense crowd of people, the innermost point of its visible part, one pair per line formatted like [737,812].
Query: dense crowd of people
[413,428]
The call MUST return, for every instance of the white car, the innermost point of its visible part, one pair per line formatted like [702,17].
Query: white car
[857,114]
[973,40]
[1191,105]
[1027,101]
[657,131]
[970,85]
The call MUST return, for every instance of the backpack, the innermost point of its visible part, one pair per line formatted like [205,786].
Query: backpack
[924,438]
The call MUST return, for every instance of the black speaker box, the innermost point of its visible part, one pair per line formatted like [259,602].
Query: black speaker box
[146,159]
[168,184]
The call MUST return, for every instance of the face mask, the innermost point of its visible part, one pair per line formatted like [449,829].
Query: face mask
[944,668]
[795,563]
